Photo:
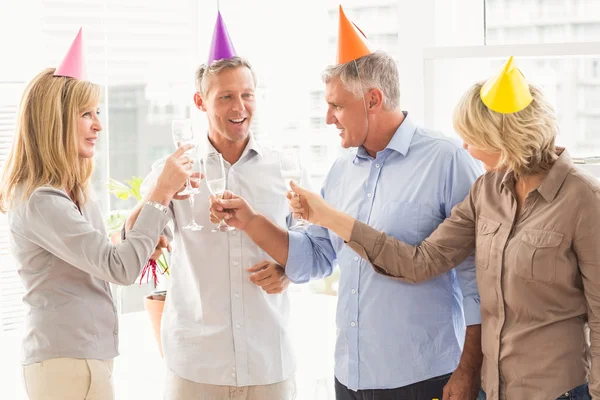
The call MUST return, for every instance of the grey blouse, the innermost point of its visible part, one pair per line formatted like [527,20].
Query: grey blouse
[66,261]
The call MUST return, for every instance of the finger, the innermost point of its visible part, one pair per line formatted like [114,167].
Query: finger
[182,149]
[220,214]
[227,195]
[261,276]
[276,291]
[169,247]
[157,253]
[259,266]
[233,204]
[446,393]
[214,219]
[272,286]
[181,196]
[297,188]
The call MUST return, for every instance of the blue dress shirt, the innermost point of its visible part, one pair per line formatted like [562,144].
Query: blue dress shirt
[391,334]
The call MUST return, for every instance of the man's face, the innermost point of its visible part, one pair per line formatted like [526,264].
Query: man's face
[347,112]
[229,103]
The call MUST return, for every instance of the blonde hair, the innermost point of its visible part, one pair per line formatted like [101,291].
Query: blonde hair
[45,149]
[204,72]
[525,139]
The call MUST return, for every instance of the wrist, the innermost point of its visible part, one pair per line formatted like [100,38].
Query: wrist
[159,195]
[252,223]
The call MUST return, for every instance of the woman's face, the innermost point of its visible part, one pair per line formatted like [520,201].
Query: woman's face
[88,127]
[489,160]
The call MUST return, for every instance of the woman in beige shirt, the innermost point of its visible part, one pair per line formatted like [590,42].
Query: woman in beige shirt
[532,220]
[57,235]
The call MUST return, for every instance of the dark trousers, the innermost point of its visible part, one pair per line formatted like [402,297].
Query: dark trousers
[425,390]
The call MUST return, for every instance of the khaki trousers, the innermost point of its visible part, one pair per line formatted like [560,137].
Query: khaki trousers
[177,388]
[69,379]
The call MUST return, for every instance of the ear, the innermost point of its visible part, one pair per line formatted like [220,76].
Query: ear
[199,102]
[374,100]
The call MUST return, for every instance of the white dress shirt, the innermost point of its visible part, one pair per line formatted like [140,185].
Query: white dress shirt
[217,326]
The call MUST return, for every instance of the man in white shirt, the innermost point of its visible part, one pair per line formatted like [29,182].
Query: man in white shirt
[225,322]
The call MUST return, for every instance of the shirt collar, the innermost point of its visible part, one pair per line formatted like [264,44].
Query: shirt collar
[557,174]
[252,147]
[401,140]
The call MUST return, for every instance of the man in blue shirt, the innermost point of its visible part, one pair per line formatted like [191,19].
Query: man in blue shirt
[395,340]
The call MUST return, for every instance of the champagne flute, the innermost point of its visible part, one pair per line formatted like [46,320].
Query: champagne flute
[184,134]
[291,170]
[216,180]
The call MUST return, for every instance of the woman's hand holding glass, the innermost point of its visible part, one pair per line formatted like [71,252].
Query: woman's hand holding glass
[309,205]
[175,172]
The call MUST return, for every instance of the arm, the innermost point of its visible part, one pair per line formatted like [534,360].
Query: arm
[585,245]
[53,222]
[448,245]
[306,255]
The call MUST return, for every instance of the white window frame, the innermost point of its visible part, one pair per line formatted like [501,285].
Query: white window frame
[545,50]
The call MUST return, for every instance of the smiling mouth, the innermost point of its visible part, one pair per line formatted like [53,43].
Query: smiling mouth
[237,121]
[92,141]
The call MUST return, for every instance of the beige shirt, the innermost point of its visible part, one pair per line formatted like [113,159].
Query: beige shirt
[65,260]
[538,275]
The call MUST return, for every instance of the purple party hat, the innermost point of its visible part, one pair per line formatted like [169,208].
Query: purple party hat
[221,46]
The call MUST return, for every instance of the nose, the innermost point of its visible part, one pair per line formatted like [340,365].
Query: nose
[330,117]
[238,105]
[97,125]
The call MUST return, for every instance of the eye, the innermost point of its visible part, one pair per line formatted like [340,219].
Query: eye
[248,95]
[226,97]
[87,114]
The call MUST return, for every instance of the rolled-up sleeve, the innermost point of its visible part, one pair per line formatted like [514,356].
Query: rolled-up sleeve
[310,255]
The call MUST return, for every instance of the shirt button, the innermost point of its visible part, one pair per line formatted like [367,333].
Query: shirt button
[235,263]
[233,374]
[356,258]
[352,323]
[237,326]
[353,291]
[237,295]
[369,195]
[233,233]
[377,165]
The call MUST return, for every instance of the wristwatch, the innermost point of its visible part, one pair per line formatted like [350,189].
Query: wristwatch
[160,207]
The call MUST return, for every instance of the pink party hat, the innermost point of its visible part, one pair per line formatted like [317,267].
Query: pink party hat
[73,65]
[221,46]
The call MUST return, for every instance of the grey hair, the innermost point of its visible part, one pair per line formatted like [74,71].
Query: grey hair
[376,70]
[204,71]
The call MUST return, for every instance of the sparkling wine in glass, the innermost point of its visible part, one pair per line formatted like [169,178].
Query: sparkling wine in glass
[216,180]
[291,170]
[184,134]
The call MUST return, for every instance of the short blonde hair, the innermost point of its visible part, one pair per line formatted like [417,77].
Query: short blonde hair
[45,151]
[204,72]
[525,139]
